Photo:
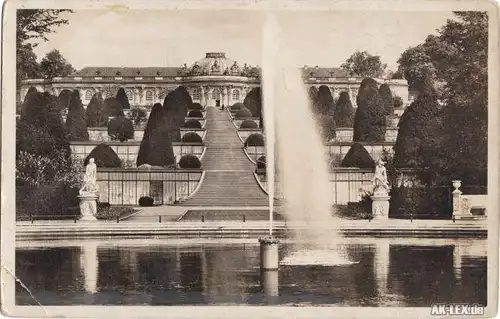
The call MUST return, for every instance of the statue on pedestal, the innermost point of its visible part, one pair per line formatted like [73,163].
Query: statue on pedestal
[89,192]
[380,182]
[90,179]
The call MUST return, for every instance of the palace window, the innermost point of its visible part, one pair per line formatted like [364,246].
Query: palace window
[149,96]
[130,95]
[236,95]
[197,94]
[88,95]
[216,94]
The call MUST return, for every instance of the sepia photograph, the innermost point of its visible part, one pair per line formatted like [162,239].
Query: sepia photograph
[229,160]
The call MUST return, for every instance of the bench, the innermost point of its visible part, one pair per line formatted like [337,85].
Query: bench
[475,202]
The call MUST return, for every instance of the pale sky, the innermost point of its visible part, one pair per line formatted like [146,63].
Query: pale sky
[139,38]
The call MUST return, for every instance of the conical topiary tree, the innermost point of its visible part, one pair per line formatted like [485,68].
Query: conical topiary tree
[358,156]
[325,100]
[387,101]
[96,115]
[76,122]
[420,130]
[175,108]
[187,97]
[253,102]
[104,156]
[370,120]
[63,99]
[121,128]
[113,107]
[156,146]
[122,98]
[363,87]
[327,127]
[344,112]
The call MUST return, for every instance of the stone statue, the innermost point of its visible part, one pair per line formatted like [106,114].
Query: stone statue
[380,182]
[215,67]
[90,179]
[235,68]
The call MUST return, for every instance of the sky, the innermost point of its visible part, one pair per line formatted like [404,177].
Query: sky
[139,38]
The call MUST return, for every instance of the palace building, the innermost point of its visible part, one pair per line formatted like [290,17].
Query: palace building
[212,81]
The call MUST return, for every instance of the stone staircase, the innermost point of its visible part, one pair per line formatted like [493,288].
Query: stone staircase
[229,179]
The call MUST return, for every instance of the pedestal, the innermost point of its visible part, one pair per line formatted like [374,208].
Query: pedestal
[270,282]
[269,259]
[380,206]
[88,206]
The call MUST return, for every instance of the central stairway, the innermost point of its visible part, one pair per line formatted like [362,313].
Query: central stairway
[229,179]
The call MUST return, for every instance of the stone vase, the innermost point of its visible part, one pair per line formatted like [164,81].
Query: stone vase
[380,206]
[88,206]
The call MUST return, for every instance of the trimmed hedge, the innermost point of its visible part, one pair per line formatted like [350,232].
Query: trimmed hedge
[248,124]
[76,122]
[121,128]
[122,97]
[421,202]
[192,123]
[255,139]
[146,201]
[196,106]
[387,100]
[261,162]
[46,200]
[243,113]
[344,112]
[191,137]
[96,115]
[112,107]
[238,106]
[358,156]
[195,113]
[370,118]
[189,161]
[104,156]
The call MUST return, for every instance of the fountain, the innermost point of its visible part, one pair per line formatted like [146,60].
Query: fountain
[303,170]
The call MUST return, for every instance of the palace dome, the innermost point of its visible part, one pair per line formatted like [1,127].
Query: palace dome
[216,63]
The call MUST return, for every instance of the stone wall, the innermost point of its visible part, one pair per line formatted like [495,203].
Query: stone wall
[101,133]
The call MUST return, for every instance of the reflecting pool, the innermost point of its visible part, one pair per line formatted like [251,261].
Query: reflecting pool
[408,272]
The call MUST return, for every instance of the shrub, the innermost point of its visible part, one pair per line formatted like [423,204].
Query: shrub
[196,106]
[156,145]
[195,113]
[113,212]
[192,137]
[76,122]
[370,119]
[387,101]
[243,113]
[421,202]
[254,140]
[253,102]
[344,112]
[54,200]
[237,106]
[104,156]
[325,100]
[63,99]
[96,115]
[248,124]
[146,201]
[121,128]
[122,98]
[113,107]
[261,163]
[189,161]
[398,102]
[358,156]
[356,210]
[192,123]
[138,116]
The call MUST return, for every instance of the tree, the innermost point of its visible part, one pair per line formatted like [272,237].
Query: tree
[156,146]
[363,87]
[420,131]
[54,64]
[364,64]
[417,67]
[325,100]
[386,95]
[113,107]
[369,121]
[63,99]
[96,116]
[121,128]
[122,98]
[344,112]
[104,156]
[174,108]
[76,122]
[358,156]
[33,24]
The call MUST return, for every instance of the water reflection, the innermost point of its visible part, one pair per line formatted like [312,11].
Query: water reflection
[388,273]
